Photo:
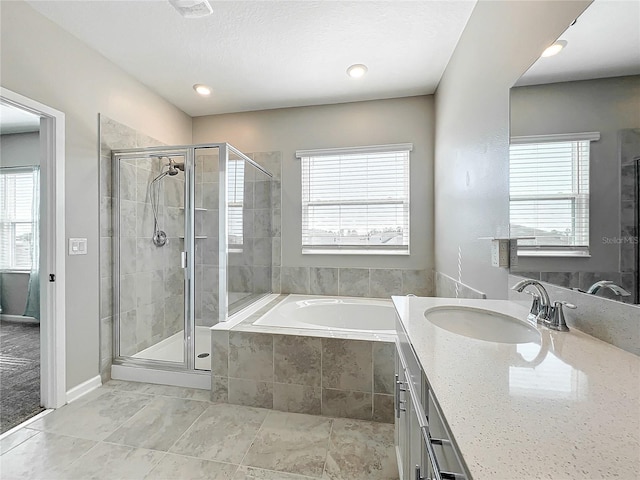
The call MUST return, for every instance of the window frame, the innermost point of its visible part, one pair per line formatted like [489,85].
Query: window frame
[32,170]
[347,249]
[580,200]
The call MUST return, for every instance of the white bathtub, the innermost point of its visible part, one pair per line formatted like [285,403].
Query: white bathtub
[332,314]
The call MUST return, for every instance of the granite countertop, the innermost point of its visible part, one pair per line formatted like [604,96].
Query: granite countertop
[568,408]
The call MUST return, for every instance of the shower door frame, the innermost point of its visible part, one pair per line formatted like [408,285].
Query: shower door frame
[188,152]
[118,359]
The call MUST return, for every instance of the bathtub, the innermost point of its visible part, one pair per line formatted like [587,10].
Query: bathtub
[289,354]
[332,314]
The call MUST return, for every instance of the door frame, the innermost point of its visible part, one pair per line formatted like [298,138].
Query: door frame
[52,246]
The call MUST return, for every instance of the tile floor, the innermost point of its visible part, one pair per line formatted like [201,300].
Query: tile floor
[141,431]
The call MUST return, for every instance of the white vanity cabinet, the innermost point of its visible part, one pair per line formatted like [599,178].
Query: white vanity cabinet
[424,446]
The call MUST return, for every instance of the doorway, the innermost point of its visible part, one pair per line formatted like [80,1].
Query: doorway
[31,259]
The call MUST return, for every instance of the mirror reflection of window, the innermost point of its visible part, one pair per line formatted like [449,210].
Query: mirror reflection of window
[549,195]
[589,83]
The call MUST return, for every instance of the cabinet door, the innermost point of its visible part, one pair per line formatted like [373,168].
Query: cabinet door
[414,437]
[401,423]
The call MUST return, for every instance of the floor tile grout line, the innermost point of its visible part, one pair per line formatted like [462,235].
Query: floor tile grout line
[188,429]
[256,435]
[326,457]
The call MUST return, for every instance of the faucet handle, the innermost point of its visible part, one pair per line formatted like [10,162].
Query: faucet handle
[566,304]
[557,320]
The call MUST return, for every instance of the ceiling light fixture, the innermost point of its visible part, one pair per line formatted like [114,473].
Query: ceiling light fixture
[554,49]
[192,8]
[202,89]
[357,71]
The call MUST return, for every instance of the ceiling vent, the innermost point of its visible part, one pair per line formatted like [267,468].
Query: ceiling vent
[192,8]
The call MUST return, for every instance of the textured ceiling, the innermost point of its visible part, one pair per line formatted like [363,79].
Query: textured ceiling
[269,54]
[604,42]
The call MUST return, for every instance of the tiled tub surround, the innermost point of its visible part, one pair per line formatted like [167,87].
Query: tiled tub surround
[566,408]
[303,371]
[354,282]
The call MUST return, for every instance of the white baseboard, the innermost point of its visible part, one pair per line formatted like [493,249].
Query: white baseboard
[84,388]
[162,377]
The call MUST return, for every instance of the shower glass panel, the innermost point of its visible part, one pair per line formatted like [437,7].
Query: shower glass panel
[248,232]
[192,246]
[150,226]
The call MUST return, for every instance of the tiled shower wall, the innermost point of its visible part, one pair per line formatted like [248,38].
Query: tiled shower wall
[114,135]
[151,278]
[207,236]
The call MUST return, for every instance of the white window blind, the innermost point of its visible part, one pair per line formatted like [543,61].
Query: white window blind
[16,217]
[356,200]
[235,196]
[549,193]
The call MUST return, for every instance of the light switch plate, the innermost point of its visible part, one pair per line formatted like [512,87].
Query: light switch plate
[77,246]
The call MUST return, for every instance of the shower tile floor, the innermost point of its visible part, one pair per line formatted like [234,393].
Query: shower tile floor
[143,431]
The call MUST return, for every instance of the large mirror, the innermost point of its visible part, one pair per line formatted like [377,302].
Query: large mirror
[575,157]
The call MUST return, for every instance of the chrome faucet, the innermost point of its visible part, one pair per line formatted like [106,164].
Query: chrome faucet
[617,289]
[541,304]
[542,312]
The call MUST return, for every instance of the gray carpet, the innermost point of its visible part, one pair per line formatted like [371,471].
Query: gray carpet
[19,373]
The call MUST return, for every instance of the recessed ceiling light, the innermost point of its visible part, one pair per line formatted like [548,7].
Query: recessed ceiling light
[554,49]
[356,71]
[202,89]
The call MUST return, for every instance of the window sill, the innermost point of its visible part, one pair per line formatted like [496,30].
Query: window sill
[14,270]
[330,251]
[554,253]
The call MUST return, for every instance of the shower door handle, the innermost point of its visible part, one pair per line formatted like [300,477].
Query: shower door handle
[183,259]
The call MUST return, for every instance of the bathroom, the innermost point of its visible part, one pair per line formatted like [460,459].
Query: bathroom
[458,171]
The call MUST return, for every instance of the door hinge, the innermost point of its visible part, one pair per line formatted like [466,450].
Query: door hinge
[52,277]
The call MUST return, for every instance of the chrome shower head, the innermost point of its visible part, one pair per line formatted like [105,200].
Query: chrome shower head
[175,167]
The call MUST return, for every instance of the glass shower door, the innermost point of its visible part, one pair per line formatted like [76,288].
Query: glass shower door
[149,232]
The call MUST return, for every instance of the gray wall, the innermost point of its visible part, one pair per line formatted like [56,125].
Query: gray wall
[20,149]
[472,156]
[605,106]
[351,124]
[17,150]
[41,61]
[501,40]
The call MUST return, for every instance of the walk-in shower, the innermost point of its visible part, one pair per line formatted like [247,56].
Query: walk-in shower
[192,246]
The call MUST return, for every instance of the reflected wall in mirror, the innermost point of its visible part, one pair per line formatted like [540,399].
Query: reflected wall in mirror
[575,157]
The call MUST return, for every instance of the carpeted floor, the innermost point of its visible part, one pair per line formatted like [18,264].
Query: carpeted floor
[19,373]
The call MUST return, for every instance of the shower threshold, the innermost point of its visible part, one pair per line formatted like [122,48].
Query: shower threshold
[171,349]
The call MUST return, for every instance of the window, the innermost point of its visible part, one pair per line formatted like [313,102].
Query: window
[17,188]
[549,193]
[356,200]
[235,196]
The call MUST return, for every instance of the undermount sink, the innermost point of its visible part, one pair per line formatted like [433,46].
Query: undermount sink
[482,324]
